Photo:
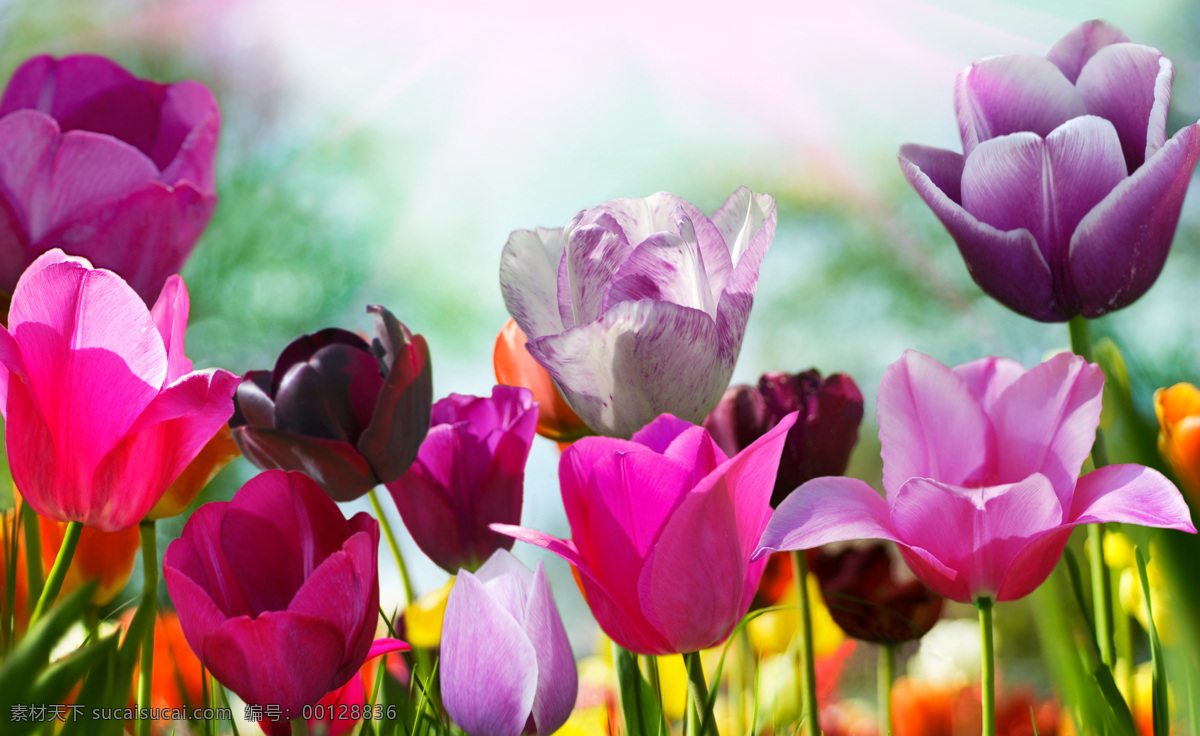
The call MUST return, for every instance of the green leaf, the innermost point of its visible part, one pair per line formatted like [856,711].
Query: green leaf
[1158,687]
[639,704]
[32,655]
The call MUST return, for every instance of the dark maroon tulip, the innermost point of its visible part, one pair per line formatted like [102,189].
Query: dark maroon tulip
[820,442]
[470,472]
[277,594]
[106,166]
[350,414]
[865,599]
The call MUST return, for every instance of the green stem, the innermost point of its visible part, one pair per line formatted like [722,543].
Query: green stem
[886,673]
[58,572]
[650,666]
[8,627]
[150,602]
[698,722]
[806,665]
[33,551]
[299,727]
[988,679]
[1081,343]
[391,540]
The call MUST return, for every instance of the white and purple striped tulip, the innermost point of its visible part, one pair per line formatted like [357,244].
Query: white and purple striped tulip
[638,306]
[1065,199]
[506,663]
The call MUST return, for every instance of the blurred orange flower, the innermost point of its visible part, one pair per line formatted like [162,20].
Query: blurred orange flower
[516,367]
[1178,410]
[106,557]
[177,680]
[924,708]
[218,452]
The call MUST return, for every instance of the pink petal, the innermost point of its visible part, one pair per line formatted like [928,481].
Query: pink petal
[824,510]
[1130,85]
[1080,44]
[1012,94]
[199,616]
[989,378]
[1131,494]
[186,143]
[47,487]
[30,86]
[558,682]
[380,647]
[1033,563]
[340,591]
[930,425]
[10,362]
[198,557]
[27,142]
[170,315]
[529,269]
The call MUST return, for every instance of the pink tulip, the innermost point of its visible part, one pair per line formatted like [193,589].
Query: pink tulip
[106,166]
[663,527]
[981,466]
[277,593]
[103,409]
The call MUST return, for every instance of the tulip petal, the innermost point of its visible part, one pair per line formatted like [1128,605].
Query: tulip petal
[1120,247]
[1031,566]
[664,267]
[930,425]
[1008,266]
[199,616]
[329,396]
[733,309]
[489,668]
[189,122]
[1011,94]
[529,268]
[402,410]
[1080,44]
[197,557]
[989,378]
[683,442]
[558,681]
[1131,494]
[593,256]
[824,510]
[338,591]
[335,466]
[1130,85]
[744,217]
[639,360]
[170,314]
[252,402]
[10,362]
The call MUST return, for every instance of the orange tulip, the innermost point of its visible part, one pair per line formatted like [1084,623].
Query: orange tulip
[922,708]
[1178,410]
[103,556]
[177,680]
[516,367]
[214,456]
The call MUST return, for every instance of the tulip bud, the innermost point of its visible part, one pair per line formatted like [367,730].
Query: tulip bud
[1178,410]
[516,367]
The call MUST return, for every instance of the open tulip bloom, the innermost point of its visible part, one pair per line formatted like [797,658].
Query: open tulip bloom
[981,467]
[1065,198]
[638,306]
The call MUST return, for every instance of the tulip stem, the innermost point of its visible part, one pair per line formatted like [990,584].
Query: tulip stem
[699,720]
[299,727]
[988,677]
[150,604]
[391,540]
[33,551]
[58,572]
[805,665]
[886,674]
[1081,344]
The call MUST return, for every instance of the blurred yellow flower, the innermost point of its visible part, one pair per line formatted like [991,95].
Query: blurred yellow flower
[773,632]
[423,619]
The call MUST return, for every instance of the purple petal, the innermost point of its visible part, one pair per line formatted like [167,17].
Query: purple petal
[558,681]
[1012,94]
[1033,563]
[1008,266]
[1131,494]
[824,510]
[744,218]
[989,378]
[1130,85]
[529,280]
[27,140]
[252,402]
[593,256]
[733,309]
[331,395]
[489,668]
[1080,44]
[1120,247]
[664,267]
[401,414]
[186,144]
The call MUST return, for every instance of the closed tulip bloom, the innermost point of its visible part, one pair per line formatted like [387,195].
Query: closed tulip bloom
[348,413]
[637,307]
[106,166]
[1065,198]
[1178,410]
[102,406]
[516,367]
[662,530]
[981,467]
[277,594]
[469,472]
[506,664]
[819,443]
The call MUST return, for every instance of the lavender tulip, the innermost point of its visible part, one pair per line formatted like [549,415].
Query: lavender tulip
[506,665]
[1066,196]
[106,166]
[469,472]
[638,306]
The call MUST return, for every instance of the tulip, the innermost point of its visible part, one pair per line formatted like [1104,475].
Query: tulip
[638,306]
[1066,196]
[868,602]
[469,472]
[1178,410]
[820,441]
[981,467]
[106,557]
[348,413]
[506,663]
[277,593]
[663,527]
[103,409]
[219,451]
[106,166]
[516,367]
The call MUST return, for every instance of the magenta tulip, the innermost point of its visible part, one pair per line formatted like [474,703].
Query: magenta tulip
[506,667]
[278,595]
[469,473]
[981,466]
[1065,198]
[662,530]
[106,166]
[102,407]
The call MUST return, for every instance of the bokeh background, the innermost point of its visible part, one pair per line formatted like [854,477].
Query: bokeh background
[380,151]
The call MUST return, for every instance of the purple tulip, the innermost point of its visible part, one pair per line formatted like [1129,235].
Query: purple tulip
[106,166]
[349,413]
[278,595]
[1065,199]
[637,307]
[469,472]
[506,665]
[820,441]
